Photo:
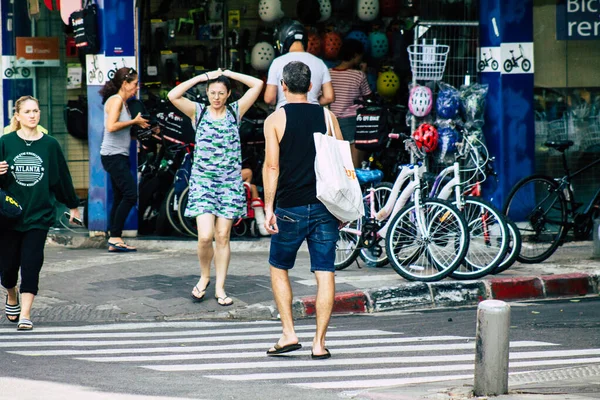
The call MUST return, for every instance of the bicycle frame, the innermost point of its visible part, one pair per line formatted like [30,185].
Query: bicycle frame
[564,183]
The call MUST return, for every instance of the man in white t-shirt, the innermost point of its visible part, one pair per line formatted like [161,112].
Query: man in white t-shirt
[292,40]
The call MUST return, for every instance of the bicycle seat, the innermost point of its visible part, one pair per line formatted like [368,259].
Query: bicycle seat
[560,145]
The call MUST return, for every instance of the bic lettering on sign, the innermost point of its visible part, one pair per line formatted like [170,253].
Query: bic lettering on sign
[582,6]
[350,173]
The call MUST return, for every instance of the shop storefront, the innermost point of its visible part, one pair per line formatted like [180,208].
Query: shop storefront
[537,60]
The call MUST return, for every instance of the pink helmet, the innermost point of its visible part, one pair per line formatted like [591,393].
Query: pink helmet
[420,101]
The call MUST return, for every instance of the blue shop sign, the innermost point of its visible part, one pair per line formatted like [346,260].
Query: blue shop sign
[578,20]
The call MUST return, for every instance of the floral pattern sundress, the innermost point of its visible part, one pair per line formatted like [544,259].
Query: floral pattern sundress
[216,180]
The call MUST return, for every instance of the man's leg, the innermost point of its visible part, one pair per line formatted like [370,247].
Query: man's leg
[282,291]
[324,306]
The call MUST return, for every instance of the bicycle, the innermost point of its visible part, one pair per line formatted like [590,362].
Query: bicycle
[513,62]
[95,72]
[545,209]
[112,72]
[425,239]
[485,62]
[14,70]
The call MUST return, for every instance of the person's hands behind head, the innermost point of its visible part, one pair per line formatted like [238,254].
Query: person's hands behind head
[141,121]
[215,74]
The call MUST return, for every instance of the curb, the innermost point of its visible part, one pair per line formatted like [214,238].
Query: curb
[446,294]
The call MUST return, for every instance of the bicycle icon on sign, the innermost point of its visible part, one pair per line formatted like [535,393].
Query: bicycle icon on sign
[112,72]
[13,70]
[485,62]
[95,72]
[513,62]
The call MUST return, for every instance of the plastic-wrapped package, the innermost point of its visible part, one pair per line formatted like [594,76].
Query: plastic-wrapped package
[472,99]
[448,137]
[447,104]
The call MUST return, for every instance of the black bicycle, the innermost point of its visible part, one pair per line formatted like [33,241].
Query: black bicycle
[545,210]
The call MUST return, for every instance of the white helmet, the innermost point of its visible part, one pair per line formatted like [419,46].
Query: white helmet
[270,10]
[325,8]
[367,10]
[263,54]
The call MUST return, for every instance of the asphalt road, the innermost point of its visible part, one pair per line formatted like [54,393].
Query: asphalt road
[225,360]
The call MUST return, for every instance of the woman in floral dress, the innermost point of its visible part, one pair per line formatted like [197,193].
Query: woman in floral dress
[216,195]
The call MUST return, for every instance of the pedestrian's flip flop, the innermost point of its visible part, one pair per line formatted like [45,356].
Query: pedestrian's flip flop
[24,325]
[119,247]
[12,311]
[321,356]
[284,349]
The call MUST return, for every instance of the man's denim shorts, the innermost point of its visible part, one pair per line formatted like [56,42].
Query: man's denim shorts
[311,222]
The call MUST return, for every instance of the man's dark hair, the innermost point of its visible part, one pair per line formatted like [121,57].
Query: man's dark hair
[296,76]
[350,49]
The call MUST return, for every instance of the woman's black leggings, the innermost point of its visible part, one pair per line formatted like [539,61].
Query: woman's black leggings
[24,250]
[124,191]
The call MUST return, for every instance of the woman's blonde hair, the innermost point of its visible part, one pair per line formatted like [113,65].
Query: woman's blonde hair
[15,125]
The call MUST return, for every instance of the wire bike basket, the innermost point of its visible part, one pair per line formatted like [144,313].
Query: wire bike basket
[428,61]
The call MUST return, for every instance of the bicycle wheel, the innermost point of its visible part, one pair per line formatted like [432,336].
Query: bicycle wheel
[188,224]
[346,248]
[172,210]
[488,239]
[540,211]
[429,246]
[371,256]
[514,247]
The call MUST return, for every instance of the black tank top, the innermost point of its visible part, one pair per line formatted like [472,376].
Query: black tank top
[297,185]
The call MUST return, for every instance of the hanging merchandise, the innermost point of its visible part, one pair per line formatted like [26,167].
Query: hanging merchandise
[331,44]
[420,101]
[472,100]
[426,137]
[85,26]
[325,8]
[388,84]
[372,81]
[361,37]
[76,118]
[262,56]
[389,8]
[314,44]
[448,101]
[288,32]
[367,10]
[270,10]
[215,10]
[379,44]
[448,138]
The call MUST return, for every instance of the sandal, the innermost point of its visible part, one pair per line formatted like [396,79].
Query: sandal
[222,301]
[13,311]
[120,247]
[200,298]
[25,325]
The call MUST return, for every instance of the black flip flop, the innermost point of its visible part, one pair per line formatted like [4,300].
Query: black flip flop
[284,349]
[196,298]
[119,247]
[12,311]
[321,356]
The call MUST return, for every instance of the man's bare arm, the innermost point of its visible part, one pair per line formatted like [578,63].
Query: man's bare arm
[271,164]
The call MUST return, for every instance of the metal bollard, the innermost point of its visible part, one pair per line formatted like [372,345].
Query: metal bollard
[596,237]
[491,348]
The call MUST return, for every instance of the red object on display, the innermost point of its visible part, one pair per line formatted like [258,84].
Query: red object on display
[389,8]
[426,137]
[331,44]
[314,44]
[71,48]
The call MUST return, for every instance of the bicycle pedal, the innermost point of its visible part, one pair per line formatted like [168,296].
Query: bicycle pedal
[377,251]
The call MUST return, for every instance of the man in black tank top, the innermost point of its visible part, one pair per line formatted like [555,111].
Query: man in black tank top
[289,177]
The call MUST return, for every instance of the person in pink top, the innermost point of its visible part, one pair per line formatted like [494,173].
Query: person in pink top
[349,84]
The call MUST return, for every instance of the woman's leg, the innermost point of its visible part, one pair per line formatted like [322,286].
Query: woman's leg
[222,256]
[32,259]
[206,233]
[10,248]
[125,192]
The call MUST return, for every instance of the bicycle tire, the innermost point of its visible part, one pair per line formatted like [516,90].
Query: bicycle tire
[542,225]
[488,239]
[514,247]
[421,258]
[508,66]
[346,247]
[366,254]
[188,224]
[172,208]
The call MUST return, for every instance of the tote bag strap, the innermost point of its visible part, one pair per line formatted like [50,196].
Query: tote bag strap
[329,123]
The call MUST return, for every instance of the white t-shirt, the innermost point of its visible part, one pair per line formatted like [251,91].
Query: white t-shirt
[318,70]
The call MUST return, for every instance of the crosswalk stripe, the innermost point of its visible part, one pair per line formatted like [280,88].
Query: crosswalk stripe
[365,350]
[238,346]
[372,383]
[276,363]
[185,340]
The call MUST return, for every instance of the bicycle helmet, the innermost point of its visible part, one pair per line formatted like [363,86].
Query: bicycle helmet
[426,137]
[448,137]
[372,81]
[289,32]
[388,84]
[367,10]
[262,56]
[361,37]
[325,8]
[448,103]
[420,101]
[379,44]
[314,44]
[331,44]
[269,10]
